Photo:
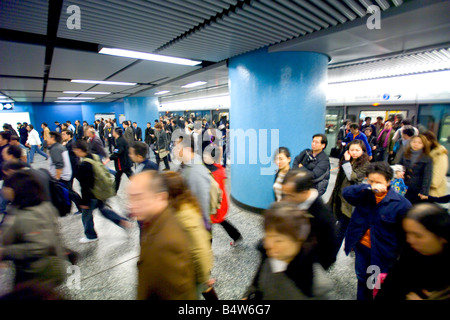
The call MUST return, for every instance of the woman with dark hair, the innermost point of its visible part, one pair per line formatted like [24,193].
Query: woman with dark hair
[283,162]
[421,272]
[352,171]
[288,270]
[30,236]
[418,168]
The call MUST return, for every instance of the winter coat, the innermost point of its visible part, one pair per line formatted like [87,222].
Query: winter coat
[417,176]
[120,155]
[31,240]
[165,267]
[438,187]
[383,220]
[337,202]
[319,166]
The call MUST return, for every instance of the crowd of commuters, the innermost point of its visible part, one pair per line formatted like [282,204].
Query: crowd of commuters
[175,210]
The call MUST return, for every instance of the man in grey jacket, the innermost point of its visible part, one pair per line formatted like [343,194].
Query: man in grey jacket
[195,173]
[128,133]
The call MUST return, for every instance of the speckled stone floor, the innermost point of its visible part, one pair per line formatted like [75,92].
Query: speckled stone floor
[107,268]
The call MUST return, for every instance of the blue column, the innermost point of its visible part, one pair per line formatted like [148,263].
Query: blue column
[141,110]
[274,97]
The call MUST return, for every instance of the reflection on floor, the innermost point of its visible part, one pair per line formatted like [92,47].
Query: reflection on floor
[107,268]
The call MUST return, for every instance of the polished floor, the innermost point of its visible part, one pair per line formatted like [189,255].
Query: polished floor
[106,269]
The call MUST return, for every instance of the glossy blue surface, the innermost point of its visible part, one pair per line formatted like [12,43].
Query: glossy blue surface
[141,110]
[282,91]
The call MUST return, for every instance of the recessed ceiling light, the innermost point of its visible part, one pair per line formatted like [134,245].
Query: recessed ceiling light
[194,84]
[162,92]
[65,101]
[86,92]
[106,82]
[148,56]
[77,98]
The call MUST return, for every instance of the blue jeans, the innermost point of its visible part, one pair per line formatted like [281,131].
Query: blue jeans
[88,218]
[33,150]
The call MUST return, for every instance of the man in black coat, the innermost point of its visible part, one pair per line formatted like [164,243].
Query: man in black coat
[298,187]
[79,132]
[101,129]
[137,132]
[122,161]
[23,133]
[315,161]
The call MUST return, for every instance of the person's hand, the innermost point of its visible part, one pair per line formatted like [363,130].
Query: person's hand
[423,197]
[105,162]
[84,207]
[413,296]
[374,147]
[391,152]
[210,282]
[347,156]
[300,165]
[370,158]
[378,187]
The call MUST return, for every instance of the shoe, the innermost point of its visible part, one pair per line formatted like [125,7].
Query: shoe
[76,213]
[87,240]
[236,242]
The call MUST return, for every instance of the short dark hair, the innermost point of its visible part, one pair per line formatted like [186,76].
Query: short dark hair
[31,126]
[406,122]
[433,217]
[368,128]
[284,151]
[44,124]
[28,191]
[56,135]
[354,126]
[409,131]
[324,138]
[15,138]
[82,145]
[13,165]
[140,149]
[14,151]
[5,135]
[368,118]
[381,167]
[68,132]
[119,131]
[302,179]
[126,122]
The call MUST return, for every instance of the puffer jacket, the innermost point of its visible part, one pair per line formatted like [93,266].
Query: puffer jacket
[31,240]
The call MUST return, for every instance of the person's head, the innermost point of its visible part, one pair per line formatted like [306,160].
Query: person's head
[282,158]
[368,131]
[30,127]
[190,126]
[380,119]
[319,142]
[81,148]
[5,137]
[57,123]
[66,135]
[354,128]
[427,228]
[379,173]
[388,125]
[179,192]
[158,126]
[64,126]
[431,138]
[12,153]
[138,151]
[23,190]
[406,122]
[418,143]
[368,120]
[356,149]
[297,185]
[77,122]
[54,137]
[148,195]
[129,123]
[286,230]
[407,133]
[149,125]
[118,132]
[85,123]
[14,141]
[90,132]
[44,125]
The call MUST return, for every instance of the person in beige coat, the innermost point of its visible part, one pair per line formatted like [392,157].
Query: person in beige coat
[439,155]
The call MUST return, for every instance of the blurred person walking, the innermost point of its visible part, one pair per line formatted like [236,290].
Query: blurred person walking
[283,162]
[34,142]
[163,240]
[161,146]
[439,155]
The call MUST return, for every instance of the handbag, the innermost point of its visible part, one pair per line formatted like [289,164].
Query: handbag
[163,153]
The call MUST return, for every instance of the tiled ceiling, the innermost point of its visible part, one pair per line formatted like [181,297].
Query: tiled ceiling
[41,53]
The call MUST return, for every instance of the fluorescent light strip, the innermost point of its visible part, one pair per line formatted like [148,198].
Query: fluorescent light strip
[105,82]
[194,84]
[85,92]
[66,101]
[77,98]
[6,101]
[162,92]
[148,56]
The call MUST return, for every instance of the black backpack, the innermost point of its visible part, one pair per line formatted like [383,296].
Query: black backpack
[59,194]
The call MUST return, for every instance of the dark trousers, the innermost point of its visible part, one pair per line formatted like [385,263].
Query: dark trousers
[111,144]
[231,230]
[341,229]
[127,171]
[88,218]
[74,197]
[165,159]
[362,262]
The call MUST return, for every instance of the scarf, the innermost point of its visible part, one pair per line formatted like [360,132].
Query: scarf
[386,139]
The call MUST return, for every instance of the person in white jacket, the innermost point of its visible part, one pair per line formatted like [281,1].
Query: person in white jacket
[34,142]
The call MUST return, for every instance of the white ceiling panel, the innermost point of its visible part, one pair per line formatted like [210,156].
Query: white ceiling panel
[54,85]
[20,84]
[23,94]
